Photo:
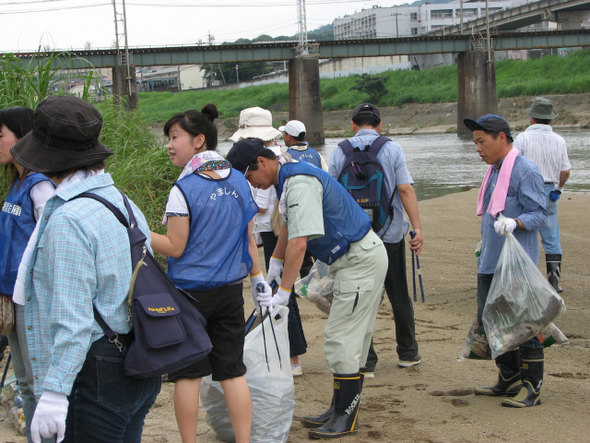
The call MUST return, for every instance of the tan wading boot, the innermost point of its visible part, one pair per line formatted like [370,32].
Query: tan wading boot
[509,382]
[347,395]
[319,420]
[531,374]
[554,270]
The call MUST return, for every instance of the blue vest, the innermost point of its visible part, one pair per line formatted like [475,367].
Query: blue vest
[308,155]
[216,253]
[17,222]
[344,220]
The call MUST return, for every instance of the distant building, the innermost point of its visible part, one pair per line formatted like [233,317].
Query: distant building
[170,78]
[404,21]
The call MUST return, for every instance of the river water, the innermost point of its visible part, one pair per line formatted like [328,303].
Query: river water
[442,164]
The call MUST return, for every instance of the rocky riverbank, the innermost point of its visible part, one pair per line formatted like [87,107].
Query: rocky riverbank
[573,110]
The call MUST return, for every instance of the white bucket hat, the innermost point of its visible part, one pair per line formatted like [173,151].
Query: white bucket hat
[256,123]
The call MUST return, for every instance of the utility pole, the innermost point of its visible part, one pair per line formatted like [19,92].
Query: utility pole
[461,18]
[123,73]
[303,43]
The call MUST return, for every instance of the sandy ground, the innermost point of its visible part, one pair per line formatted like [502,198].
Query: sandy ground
[434,401]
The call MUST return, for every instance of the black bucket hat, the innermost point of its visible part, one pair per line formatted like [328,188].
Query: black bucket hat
[64,136]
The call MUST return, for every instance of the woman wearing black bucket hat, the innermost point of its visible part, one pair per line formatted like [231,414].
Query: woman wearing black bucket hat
[23,206]
[77,264]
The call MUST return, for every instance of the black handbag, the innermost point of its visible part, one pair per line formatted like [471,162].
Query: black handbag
[169,332]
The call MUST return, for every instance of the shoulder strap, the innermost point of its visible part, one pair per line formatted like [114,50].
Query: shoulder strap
[347,147]
[378,144]
[112,335]
[112,207]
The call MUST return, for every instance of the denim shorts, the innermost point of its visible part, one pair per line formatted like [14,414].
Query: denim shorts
[223,308]
[105,405]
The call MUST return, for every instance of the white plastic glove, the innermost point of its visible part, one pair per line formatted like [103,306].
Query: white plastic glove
[50,417]
[262,298]
[504,225]
[275,270]
[281,297]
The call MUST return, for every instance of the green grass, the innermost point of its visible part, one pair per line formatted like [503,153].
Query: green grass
[140,165]
[514,78]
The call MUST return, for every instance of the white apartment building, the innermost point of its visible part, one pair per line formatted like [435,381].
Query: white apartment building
[403,21]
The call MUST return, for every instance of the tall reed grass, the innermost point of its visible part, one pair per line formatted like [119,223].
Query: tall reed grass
[140,165]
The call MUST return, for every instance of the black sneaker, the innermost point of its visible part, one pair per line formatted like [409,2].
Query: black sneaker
[409,363]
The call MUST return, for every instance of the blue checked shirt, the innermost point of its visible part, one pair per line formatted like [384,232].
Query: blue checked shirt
[82,257]
[525,201]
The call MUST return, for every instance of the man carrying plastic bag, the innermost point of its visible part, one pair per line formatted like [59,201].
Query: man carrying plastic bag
[514,187]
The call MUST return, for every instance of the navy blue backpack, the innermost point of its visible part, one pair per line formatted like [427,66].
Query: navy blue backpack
[168,331]
[364,179]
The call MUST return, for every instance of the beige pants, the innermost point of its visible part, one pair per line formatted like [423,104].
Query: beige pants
[358,281]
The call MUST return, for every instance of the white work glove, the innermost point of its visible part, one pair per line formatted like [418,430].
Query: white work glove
[50,417]
[275,270]
[504,225]
[281,297]
[262,298]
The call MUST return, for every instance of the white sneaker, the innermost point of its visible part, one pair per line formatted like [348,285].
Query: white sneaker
[407,364]
[296,370]
[369,375]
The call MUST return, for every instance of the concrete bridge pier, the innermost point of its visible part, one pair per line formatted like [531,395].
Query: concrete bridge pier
[125,85]
[305,99]
[477,88]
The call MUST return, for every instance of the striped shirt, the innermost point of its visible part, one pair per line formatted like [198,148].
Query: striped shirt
[545,149]
[82,257]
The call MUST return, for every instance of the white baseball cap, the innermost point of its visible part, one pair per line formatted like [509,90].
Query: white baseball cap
[294,128]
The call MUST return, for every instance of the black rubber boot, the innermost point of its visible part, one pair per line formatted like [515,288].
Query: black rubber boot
[509,382]
[319,420]
[347,395]
[554,270]
[531,374]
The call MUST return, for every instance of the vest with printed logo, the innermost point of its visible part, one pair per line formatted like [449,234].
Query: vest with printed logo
[217,252]
[344,220]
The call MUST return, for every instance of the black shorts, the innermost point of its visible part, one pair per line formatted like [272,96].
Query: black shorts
[223,308]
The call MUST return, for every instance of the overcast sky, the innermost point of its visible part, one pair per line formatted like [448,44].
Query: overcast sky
[66,24]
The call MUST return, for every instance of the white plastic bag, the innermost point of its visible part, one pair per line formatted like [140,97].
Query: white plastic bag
[271,388]
[317,286]
[521,303]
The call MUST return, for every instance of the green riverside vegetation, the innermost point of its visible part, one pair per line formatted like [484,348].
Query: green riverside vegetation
[141,167]
[514,78]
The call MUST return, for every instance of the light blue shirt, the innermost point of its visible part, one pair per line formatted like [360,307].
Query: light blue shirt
[392,158]
[525,201]
[82,257]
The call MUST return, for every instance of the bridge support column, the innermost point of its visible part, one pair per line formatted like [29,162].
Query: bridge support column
[125,85]
[477,88]
[305,99]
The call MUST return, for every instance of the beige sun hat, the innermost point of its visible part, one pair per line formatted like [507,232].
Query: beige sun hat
[256,123]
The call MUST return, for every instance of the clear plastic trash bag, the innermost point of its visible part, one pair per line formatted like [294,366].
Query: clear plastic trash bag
[476,345]
[317,287]
[521,303]
[271,388]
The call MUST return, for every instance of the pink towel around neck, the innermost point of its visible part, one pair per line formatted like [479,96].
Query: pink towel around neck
[498,200]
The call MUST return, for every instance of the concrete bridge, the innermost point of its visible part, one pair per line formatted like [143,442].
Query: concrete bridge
[477,84]
[567,14]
